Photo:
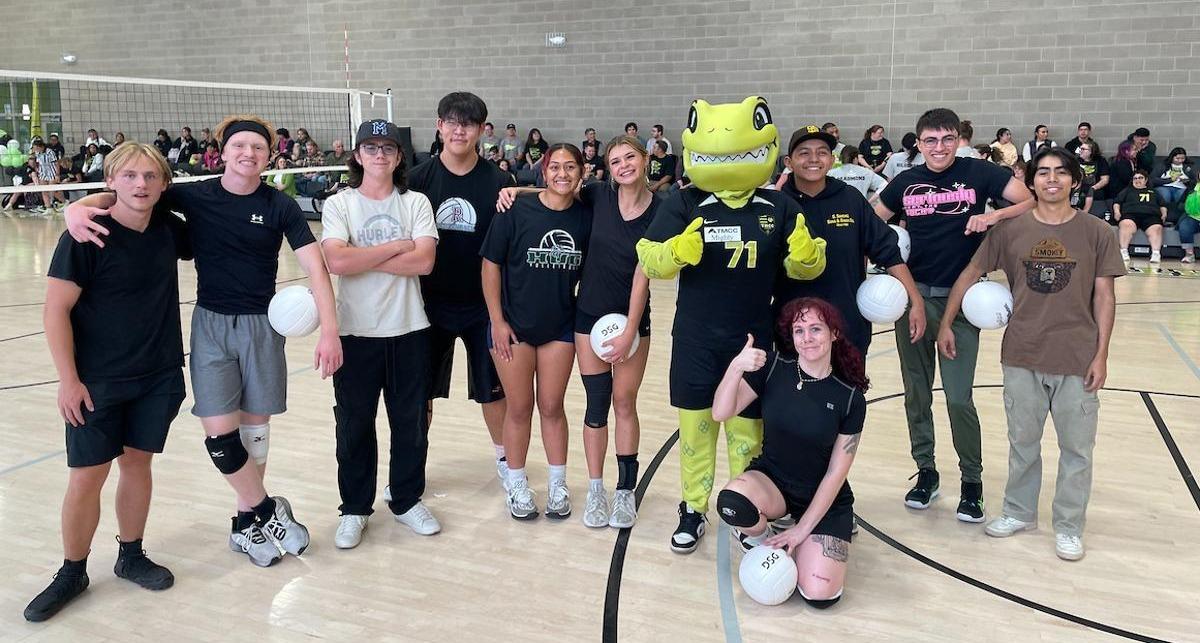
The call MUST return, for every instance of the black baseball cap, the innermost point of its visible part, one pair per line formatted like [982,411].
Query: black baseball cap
[510,126]
[809,132]
[378,128]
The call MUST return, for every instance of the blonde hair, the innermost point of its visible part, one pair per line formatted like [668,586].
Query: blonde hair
[638,148]
[219,130]
[130,151]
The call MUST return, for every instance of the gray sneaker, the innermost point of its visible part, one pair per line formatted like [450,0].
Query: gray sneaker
[520,501]
[624,509]
[255,545]
[595,512]
[558,501]
[289,535]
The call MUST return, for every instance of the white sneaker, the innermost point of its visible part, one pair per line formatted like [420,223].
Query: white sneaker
[1188,258]
[748,542]
[595,513]
[1155,257]
[1068,547]
[520,501]
[1005,526]
[420,519]
[255,545]
[387,494]
[783,523]
[624,509]
[284,529]
[558,500]
[350,531]
[1125,255]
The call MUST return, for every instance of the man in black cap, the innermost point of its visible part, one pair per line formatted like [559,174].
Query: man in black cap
[839,214]
[511,147]
[1144,149]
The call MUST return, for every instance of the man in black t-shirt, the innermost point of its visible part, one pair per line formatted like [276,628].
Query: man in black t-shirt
[239,374]
[463,191]
[112,322]
[661,169]
[943,204]
[840,215]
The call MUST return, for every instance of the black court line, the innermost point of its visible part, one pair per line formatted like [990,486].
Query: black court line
[32,303]
[1176,454]
[47,382]
[883,332]
[1156,303]
[612,595]
[996,591]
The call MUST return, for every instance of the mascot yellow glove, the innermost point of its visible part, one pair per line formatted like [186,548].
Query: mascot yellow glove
[806,255]
[663,260]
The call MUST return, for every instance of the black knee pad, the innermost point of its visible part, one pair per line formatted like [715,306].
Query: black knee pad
[598,389]
[736,509]
[227,451]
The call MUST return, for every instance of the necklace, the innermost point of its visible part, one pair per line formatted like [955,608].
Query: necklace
[803,380]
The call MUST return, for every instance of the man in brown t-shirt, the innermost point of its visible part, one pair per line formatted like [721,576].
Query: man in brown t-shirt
[1060,265]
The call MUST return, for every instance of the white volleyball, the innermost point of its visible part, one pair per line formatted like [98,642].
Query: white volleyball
[293,312]
[768,575]
[988,305]
[881,299]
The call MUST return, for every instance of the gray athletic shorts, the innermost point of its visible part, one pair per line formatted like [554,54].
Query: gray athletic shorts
[237,364]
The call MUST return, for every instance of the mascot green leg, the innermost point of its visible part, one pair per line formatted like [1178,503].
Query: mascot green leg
[743,438]
[697,456]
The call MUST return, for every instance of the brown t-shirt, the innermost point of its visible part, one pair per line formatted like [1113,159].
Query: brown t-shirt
[1052,271]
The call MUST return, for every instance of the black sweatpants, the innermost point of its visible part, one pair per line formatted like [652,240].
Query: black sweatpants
[399,368]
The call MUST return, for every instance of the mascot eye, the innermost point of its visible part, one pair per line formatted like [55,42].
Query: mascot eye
[762,116]
[693,119]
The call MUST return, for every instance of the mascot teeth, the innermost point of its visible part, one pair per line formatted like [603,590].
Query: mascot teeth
[753,156]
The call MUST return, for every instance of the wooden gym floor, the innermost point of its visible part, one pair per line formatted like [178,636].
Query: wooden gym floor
[914,576]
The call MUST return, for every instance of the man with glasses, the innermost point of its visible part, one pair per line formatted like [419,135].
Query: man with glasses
[942,203]
[463,190]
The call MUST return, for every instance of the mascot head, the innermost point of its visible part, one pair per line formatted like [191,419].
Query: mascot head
[730,149]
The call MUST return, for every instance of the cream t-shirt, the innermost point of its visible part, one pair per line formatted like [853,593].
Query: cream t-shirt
[376,303]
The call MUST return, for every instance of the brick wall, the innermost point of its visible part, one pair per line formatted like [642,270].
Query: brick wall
[1012,63]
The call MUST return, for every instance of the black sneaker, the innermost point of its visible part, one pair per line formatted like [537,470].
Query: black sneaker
[144,572]
[970,507]
[690,530]
[924,491]
[62,590]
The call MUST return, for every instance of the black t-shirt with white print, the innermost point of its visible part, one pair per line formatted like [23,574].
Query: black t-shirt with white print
[875,152]
[937,206]
[800,427]
[236,240]
[540,253]
[463,208]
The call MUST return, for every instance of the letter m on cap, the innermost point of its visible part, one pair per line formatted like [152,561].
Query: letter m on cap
[379,128]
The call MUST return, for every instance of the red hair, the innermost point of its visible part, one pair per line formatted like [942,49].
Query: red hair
[848,362]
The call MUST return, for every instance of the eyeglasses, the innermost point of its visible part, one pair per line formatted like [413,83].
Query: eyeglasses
[370,149]
[946,141]
[453,125]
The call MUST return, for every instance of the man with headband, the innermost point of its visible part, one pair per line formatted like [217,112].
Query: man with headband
[239,376]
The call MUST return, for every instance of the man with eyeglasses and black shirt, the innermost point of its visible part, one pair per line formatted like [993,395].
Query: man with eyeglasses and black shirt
[943,203]
[463,190]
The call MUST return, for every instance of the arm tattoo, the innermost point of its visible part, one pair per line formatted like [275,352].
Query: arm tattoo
[833,548]
[851,445]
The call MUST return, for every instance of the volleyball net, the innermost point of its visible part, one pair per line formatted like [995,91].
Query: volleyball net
[41,104]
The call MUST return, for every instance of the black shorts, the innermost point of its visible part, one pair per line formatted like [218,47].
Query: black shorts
[697,369]
[584,322]
[470,324]
[1144,221]
[838,521]
[132,413]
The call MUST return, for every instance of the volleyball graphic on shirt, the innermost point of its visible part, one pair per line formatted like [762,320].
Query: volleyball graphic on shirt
[457,214]
[556,250]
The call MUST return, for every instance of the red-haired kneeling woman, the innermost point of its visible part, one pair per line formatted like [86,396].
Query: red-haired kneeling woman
[813,411]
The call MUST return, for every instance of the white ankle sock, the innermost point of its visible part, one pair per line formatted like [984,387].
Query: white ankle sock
[499,450]
[596,484]
[517,476]
[558,473]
